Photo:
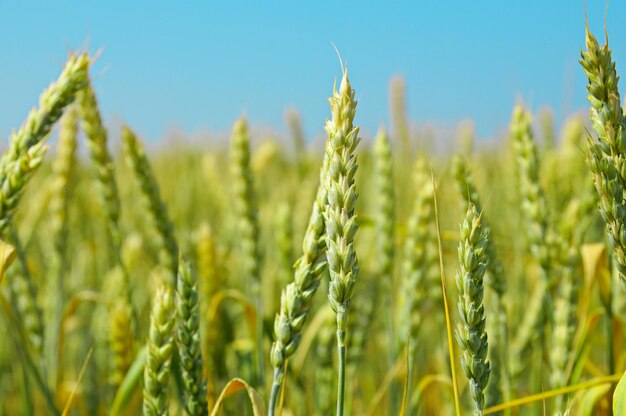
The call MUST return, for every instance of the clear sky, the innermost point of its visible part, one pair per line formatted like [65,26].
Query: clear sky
[199,65]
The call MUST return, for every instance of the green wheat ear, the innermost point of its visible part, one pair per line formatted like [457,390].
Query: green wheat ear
[607,153]
[385,210]
[248,228]
[160,350]
[471,334]
[27,147]
[339,217]
[63,170]
[539,236]
[164,230]
[96,136]
[494,279]
[188,340]
[416,264]
[296,297]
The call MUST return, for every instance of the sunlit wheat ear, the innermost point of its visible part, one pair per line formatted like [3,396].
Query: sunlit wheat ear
[415,264]
[385,211]
[97,141]
[121,340]
[538,235]
[19,162]
[470,334]
[497,328]
[160,350]
[607,154]
[163,229]
[283,230]
[188,340]
[245,210]
[296,297]
[27,145]
[339,217]
[63,170]
[565,316]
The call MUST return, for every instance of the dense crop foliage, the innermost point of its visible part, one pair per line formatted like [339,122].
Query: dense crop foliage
[375,276]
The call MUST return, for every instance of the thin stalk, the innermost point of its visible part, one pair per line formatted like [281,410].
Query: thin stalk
[552,393]
[455,387]
[610,339]
[27,399]
[274,393]
[341,381]
[24,354]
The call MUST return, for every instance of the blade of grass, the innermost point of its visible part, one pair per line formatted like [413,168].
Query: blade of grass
[384,385]
[457,403]
[235,385]
[26,358]
[426,382]
[281,399]
[70,399]
[552,393]
[130,384]
[307,339]
[406,380]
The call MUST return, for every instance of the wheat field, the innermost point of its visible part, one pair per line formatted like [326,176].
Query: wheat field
[368,276]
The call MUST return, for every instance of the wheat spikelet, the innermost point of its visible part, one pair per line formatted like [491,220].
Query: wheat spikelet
[607,155]
[188,340]
[339,218]
[248,227]
[538,234]
[494,279]
[470,333]
[63,171]
[121,340]
[166,241]
[160,350]
[27,147]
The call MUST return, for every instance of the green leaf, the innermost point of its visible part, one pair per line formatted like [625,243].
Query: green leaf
[235,385]
[591,398]
[7,255]
[619,398]
[130,384]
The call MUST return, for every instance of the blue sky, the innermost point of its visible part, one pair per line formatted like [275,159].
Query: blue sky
[199,66]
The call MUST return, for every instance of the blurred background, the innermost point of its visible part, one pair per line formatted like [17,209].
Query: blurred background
[193,68]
